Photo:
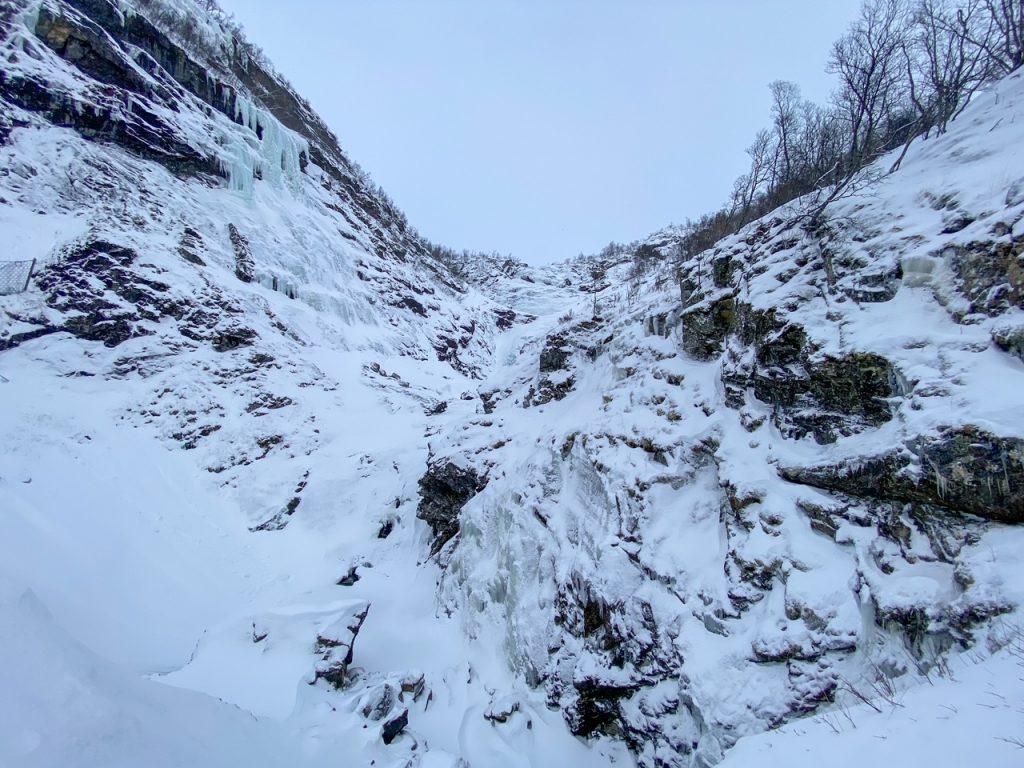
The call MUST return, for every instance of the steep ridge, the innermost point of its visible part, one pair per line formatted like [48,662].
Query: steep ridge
[259,446]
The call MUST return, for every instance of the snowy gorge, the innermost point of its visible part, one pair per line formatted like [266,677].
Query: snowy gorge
[279,488]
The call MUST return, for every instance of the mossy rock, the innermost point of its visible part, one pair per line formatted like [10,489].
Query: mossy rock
[964,470]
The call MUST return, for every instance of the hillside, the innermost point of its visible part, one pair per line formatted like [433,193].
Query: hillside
[279,488]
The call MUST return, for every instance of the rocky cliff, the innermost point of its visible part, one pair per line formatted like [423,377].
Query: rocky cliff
[727,492]
[263,452]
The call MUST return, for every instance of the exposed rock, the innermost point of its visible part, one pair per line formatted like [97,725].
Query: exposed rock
[83,283]
[448,349]
[380,703]
[265,402]
[548,390]
[191,437]
[191,244]
[1010,339]
[555,354]
[558,349]
[722,269]
[350,578]
[504,319]
[490,400]
[597,708]
[413,685]
[83,40]
[279,521]
[964,470]
[500,712]
[822,519]
[556,361]
[820,396]
[336,645]
[991,274]
[659,325]
[706,326]
[233,338]
[444,490]
[392,728]
[245,266]
[437,408]
[830,396]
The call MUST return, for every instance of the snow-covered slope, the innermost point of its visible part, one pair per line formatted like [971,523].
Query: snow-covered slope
[973,712]
[724,497]
[277,488]
[215,405]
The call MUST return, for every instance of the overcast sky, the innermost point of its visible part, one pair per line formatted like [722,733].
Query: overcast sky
[546,128]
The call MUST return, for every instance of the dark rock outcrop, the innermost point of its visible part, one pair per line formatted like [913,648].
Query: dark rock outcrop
[245,265]
[555,354]
[990,274]
[123,106]
[103,293]
[392,728]
[598,709]
[556,364]
[964,470]
[1010,339]
[830,396]
[547,390]
[190,247]
[706,326]
[822,396]
[444,491]
[139,74]
[336,645]
[83,286]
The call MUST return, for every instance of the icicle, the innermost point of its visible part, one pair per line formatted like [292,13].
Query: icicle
[262,147]
[30,16]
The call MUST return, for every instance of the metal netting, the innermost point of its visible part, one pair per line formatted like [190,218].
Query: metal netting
[14,276]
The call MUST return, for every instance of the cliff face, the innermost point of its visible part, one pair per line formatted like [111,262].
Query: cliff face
[106,72]
[726,492]
[261,447]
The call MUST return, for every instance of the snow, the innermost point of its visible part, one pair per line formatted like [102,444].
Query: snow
[145,618]
[109,716]
[972,714]
[35,234]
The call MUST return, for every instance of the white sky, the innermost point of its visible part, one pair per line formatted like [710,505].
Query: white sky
[546,128]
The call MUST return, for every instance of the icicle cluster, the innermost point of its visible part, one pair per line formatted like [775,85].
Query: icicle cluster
[266,150]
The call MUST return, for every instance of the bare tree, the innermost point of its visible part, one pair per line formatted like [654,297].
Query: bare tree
[943,67]
[759,179]
[1006,44]
[821,145]
[785,122]
[906,68]
[868,60]
[951,67]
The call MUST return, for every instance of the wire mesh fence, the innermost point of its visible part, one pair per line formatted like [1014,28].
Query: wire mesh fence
[14,276]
